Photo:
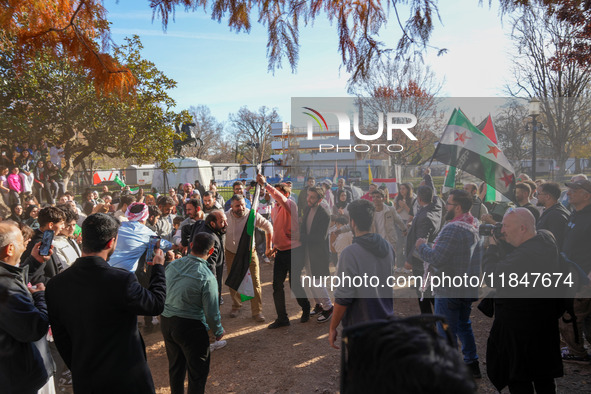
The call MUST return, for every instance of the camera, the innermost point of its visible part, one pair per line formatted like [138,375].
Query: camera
[493,230]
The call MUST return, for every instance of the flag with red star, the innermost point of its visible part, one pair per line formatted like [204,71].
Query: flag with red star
[465,147]
[488,129]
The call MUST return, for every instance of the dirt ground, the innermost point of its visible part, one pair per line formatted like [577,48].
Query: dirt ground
[298,358]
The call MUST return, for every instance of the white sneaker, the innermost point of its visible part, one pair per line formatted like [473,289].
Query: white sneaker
[217,345]
[155,320]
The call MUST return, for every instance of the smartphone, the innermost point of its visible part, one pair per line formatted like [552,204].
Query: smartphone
[152,245]
[165,245]
[46,242]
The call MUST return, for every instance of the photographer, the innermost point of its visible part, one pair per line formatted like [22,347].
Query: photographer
[523,349]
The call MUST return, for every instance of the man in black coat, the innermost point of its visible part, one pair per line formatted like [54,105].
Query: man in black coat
[216,224]
[425,224]
[302,197]
[577,247]
[555,215]
[523,348]
[93,311]
[25,360]
[314,239]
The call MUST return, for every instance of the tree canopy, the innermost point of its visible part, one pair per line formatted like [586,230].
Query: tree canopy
[78,30]
[54,102]
[543,68]
[252,132]
[75,31]
[394,86]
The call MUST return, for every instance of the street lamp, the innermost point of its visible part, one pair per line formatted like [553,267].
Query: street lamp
[255,146]
[534,111]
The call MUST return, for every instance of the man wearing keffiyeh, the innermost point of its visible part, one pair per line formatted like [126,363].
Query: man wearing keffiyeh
[456,253]
[132,239]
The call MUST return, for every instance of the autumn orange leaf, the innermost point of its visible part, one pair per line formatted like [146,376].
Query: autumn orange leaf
[75,30]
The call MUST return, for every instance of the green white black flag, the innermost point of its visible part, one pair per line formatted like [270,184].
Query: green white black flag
[465,147]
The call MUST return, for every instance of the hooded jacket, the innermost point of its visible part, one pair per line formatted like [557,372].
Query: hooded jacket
[370,256]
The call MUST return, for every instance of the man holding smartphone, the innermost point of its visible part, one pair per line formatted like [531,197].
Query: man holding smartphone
[25,361]
[51,220]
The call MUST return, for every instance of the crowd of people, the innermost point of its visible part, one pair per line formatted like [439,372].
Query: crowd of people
[28,171]
[176,282]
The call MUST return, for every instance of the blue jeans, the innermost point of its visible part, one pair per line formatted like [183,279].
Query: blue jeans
[457,312]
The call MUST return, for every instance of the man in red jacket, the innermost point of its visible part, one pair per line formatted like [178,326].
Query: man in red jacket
[288,252]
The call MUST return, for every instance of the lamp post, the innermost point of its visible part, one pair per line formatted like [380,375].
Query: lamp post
[534,111]
[255,146]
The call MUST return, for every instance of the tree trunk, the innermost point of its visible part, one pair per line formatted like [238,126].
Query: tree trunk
[4,209]
[560,174]
[68,171]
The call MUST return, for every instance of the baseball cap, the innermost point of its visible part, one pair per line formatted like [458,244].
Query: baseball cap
[580,184]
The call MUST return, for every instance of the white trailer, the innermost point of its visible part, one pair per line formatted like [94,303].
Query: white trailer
[188,170]
[139,175]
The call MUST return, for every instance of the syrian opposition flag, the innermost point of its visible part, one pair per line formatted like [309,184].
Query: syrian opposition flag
[118,181]
[488,129]
[449,182]
[239,277]
[465,147]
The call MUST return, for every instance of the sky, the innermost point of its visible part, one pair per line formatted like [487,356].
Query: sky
[226,70]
